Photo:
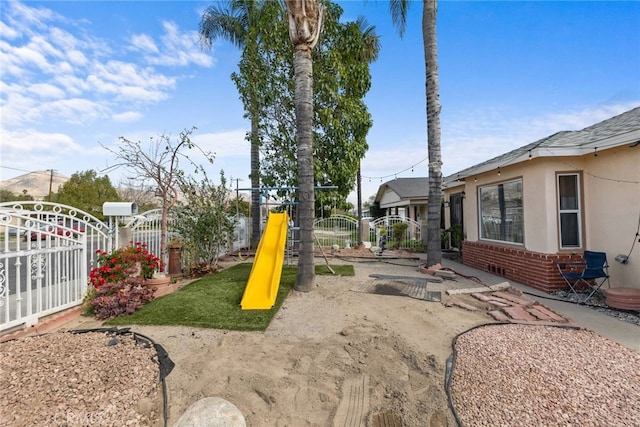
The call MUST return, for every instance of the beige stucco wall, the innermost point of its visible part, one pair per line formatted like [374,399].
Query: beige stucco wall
[612,209]
[389,198]
[610,202]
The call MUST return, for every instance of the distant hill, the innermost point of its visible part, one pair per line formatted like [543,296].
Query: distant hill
[35,183]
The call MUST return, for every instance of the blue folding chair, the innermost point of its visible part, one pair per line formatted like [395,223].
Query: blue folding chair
[592,273]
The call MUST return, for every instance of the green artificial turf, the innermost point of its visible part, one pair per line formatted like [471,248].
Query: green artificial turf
[214,302]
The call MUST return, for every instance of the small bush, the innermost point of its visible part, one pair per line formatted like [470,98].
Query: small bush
[115,299]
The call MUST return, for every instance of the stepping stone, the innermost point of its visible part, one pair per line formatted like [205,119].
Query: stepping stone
[512,298]
[499,316]
[465,306]
[550,313]
[518,313]
[211,412]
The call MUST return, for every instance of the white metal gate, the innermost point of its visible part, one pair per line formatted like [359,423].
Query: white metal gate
[46,252]
[385,227]
[338,230]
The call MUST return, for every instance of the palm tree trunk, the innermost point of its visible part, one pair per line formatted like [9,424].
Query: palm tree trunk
[255,183]
[305,25]
[359,191]
[303,68]
[429,11]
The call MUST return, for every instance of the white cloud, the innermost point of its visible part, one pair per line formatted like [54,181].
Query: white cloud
[179,49]
[25,18]
[127,117]
[476,136]
[32,150]
[77,111]
[8,32]
[74,77]
[27,56]
[129,82]
[224,144]
[46,90]
[143,43]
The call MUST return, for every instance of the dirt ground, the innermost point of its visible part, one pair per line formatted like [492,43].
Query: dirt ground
[324,349]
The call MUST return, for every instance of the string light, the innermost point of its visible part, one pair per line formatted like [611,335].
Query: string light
[395,175]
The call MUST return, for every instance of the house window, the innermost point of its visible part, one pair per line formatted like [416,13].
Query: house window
[569,211]
[501,213]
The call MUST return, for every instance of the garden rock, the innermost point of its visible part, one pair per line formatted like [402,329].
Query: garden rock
[211,412]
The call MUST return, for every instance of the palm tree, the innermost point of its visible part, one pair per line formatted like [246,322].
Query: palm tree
[398,10]
[238,22]
[305,24]
[371,41]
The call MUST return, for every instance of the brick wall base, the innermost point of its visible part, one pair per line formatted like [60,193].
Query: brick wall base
[534,269]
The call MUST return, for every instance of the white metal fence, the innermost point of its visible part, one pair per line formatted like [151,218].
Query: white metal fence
[145,228]
[48,249]
[338,230]
[46,252]
[342,230]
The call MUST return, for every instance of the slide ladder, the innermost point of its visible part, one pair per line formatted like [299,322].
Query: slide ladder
[264,280]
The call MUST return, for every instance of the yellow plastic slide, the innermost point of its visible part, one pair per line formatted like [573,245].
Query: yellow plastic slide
[264,279]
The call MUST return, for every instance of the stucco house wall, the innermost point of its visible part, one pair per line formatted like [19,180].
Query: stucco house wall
[405,196]
[610,207]
[612,210]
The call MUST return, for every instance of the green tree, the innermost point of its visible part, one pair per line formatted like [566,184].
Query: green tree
[204,221]
[8,196]
[240,206]
[399,10]
[87,191]
[158,163]
[239,22]
[341,121]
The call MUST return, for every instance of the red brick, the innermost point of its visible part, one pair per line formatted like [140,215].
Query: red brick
[507,296]
[499,316]
[550,313]
[468,307]
[518,313]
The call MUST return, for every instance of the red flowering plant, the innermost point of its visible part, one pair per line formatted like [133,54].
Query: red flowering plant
[115,284]
[130,261]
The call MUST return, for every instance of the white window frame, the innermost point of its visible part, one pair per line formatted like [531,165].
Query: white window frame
[519,231]
[573,211]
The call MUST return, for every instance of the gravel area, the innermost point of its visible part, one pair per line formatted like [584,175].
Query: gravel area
[597,303]
[66,379]
[542,376]
[292,374]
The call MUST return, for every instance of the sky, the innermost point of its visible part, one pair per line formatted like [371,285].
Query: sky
[77,75]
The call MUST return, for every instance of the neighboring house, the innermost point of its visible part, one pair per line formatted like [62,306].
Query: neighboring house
[551,200]
[406,197]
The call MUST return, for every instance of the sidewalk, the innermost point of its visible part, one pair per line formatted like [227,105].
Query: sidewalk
[617,330]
